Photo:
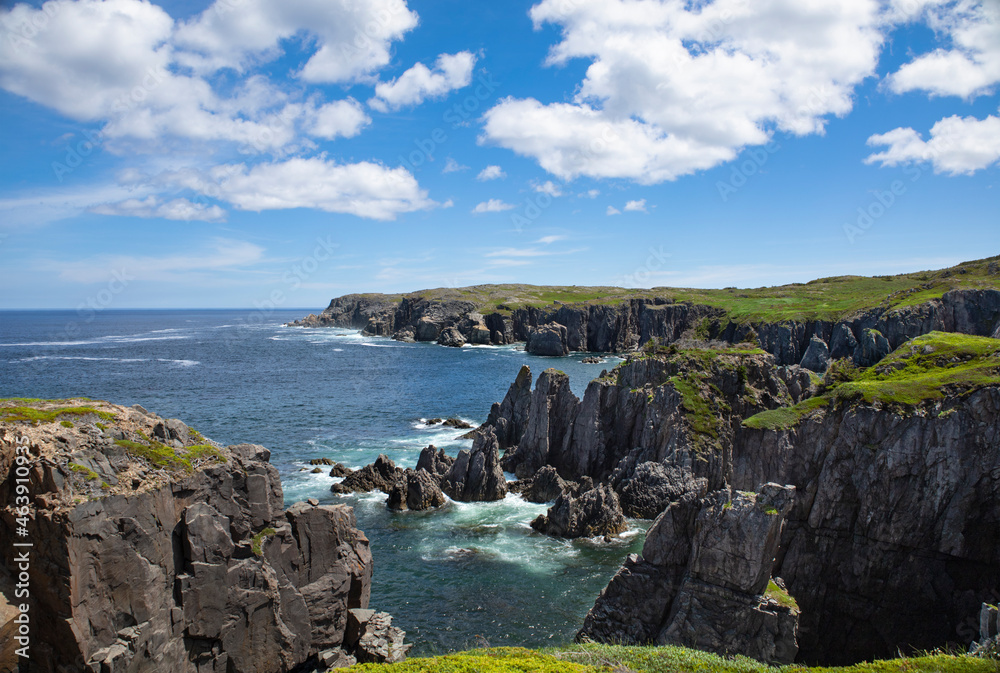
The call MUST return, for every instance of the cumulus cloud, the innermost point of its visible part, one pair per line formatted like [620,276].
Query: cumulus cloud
[451,71]
[452,166]
[364,189]
[492,206]
[352,39]
[613,211]
[154,207]
[674,88]
[970,67]
[344,118]
[548,187]
[636,206]
[491,173]
[957,145]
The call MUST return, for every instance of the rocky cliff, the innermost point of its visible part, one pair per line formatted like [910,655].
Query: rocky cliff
[156,549]
[802,324]
[893,538]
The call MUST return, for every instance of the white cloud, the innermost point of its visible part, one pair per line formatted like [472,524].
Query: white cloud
[548,187]
[351,39]
[364,189]
[636,206]
[492,206]
[591,193]
[674,87]
[491,173]
[957,145]
[547,240]
[451,71]
[154,207]
[343,118]
[971,66]
[613,211]
[452,166]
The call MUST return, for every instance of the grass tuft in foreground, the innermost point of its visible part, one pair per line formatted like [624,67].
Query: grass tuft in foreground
[595,658]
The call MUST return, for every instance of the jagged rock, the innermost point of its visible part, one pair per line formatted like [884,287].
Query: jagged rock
[817,357]
[406,335]
[476,475]
[374,639]
[415,490]
[435,461]
[701,579]
[592,514]
[551,414]
[427,330]
[479,333]
[340,470]
[321,461]
[457,423]
[547,340]
[843,343]
[379,476]
[547,485]
[509,418]
[651,487]
[196,570]
[872,348]
[988,644]
[451,336]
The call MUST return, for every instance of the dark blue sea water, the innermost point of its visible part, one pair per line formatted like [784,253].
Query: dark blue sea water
[469,574]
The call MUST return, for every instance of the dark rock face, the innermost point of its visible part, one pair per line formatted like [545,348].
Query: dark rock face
[701,580]
[435,461]
[817,357]
[196,571]
[547,485]
[379,476]
[872,348]
[340,470]
[651,487]
[476,475]
[426,330]
[451,336]
[595,513]
[509,418]
[374,639]
[548,340]
[988,644]
[416,490]
[551,412]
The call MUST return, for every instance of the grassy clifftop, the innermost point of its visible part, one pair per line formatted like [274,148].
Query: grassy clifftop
[927,368]
[593,658]
[822,299]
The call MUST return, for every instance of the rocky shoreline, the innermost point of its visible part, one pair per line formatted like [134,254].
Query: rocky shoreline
[154,544]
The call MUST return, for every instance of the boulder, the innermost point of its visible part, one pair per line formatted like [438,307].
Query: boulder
[817,357]
[340,470]
[435,461]
[415,490]
[379,476]
[451,336]
[547,486]
[426,330]
[593,514]
[406,335]
[374,639]
[548,340]
[476,475]
[457,423]
[479,333]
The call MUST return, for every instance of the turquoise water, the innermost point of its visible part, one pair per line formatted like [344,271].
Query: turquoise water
[469,574]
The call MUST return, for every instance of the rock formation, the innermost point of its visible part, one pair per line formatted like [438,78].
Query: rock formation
[548,339]
[509,417]
[435,461]
[595,513]
[379,476]
[547,485]
[476,475]
[415,490]
[702,578]
[170,550]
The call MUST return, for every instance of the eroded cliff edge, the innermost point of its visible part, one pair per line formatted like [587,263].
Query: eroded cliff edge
[156,549]
[892,539]
[800,324]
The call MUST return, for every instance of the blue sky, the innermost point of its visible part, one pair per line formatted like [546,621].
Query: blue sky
[245,152]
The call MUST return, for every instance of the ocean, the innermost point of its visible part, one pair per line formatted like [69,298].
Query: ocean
[469,574]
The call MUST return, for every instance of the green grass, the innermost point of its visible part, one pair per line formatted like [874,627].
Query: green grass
[87,473]
[780,595]
[66,424]
[32,415]
[162,456]
[594,658]
[257,542]
[932,367]
[822,299]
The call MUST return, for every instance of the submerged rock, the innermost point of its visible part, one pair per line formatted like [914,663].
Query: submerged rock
[595,513]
